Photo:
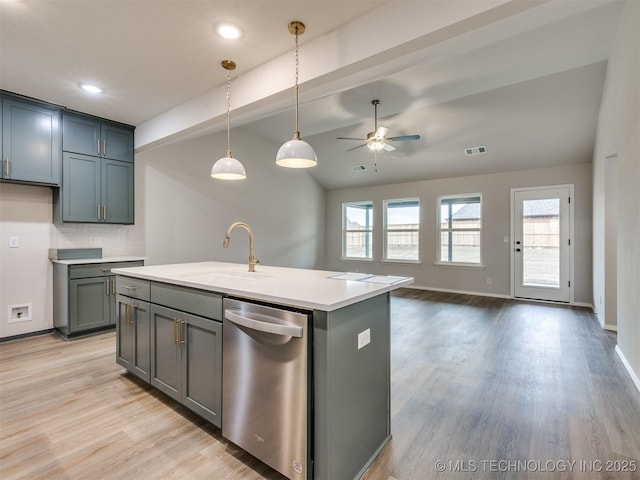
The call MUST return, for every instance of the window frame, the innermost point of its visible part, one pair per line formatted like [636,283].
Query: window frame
[368,231]
[460,197]
[387,230]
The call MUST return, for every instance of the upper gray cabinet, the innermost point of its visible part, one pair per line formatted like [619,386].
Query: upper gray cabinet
[97,137]
[97,171]
[30,142]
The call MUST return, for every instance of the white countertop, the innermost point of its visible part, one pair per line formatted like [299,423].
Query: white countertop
[295,287]
[81,261]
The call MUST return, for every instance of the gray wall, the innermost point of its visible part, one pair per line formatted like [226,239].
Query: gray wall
[187,213]
[495,190]
[617,254]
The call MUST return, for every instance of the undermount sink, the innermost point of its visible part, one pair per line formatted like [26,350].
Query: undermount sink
[221,274]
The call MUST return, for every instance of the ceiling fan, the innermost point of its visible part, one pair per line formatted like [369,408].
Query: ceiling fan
[378,140]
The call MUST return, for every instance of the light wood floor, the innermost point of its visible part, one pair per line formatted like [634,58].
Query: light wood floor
[476,383]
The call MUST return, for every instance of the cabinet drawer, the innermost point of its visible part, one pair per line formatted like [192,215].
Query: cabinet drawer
[198,302]
[133,287]
[99,269]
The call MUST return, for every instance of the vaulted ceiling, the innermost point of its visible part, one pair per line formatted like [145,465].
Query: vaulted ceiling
[523,78]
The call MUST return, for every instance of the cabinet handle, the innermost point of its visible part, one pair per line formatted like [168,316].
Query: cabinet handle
[98,147]
[113,285]
[7,170]
[181,324]
[104,148]
[175,331]
[106,287]
[98,212]
[132,318]
[104,212]
[130,287]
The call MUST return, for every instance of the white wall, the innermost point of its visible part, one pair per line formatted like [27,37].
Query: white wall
[187,213]
[618,136]
[495,190]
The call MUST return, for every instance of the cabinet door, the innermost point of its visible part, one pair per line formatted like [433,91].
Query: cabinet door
[80,192]
[88,304]
[124,332]
[133,335]
[30,142]
[80,134]
[117,191]
[202,367]
[117,142]
[165,351]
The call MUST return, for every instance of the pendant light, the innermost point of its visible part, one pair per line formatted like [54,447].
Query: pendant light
[296,153]
[228,168]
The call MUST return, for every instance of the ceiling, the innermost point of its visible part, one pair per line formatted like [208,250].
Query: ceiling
[522,78]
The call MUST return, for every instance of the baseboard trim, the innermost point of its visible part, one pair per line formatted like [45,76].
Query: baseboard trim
[627,366]
[26,335]
[611,328]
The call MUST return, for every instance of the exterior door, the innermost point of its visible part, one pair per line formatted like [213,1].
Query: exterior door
[541,241]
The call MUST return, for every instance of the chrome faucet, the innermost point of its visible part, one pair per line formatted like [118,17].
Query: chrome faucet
[252,259]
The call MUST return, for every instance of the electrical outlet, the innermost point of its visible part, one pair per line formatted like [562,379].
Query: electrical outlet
[364,338]
[489,281]
[97,241]
[13,242]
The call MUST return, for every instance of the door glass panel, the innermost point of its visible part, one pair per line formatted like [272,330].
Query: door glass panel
[541,242]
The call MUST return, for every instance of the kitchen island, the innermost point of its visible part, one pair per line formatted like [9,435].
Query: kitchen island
[348,344]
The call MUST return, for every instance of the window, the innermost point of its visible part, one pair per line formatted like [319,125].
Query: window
[357,229]
[459,223]
[402,230]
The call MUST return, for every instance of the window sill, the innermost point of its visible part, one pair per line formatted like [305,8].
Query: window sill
[476,266]
[351,259]
[410,262]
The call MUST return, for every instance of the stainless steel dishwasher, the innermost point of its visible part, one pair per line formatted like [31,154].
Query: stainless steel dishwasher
[266,385]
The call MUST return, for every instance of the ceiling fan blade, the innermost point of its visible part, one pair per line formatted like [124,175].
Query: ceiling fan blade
[355,148]
[351,138]
[403,138]
[381,132]
[389,148]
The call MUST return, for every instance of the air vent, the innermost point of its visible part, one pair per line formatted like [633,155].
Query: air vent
[358,168]
[475,150]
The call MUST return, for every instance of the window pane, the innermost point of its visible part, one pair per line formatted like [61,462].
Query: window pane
[402,246]
[403,216]
[358,244]
[460,224]
[541,242]
[359,216]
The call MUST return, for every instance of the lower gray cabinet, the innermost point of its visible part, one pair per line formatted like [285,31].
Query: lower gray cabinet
[186,360]
[133,335]
[84,296]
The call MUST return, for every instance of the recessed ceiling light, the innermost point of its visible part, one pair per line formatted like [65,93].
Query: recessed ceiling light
[91,88]
[229,31]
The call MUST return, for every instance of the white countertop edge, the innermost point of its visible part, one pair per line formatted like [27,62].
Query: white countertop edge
[373,291]
[81,261]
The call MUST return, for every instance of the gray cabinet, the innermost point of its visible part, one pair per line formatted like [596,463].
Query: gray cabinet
[133,335]
[31,144]
[96,190]
[97,137]
[97,171]
[84,296]
[180,330]
[186,360]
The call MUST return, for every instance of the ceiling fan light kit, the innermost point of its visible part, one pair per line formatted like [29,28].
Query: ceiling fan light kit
[296,153]
[227,167]
[378,140]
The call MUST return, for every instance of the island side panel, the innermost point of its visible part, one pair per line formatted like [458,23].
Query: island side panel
[351,388]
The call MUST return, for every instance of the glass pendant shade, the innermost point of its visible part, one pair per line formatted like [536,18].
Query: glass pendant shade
[228,168]
[296,153]
[375,146]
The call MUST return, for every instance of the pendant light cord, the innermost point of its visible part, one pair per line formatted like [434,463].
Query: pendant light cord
[296,134]
[229,114]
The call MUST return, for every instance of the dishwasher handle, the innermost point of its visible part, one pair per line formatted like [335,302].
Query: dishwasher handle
[267,327]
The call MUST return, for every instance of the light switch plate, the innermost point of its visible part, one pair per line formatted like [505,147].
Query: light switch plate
[364,338]
[13,242]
